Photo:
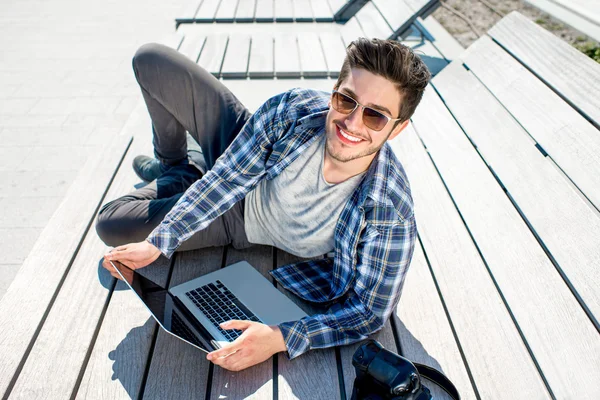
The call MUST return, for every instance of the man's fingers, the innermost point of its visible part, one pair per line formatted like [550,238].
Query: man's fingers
[230,361]
[228,350]
[236,324]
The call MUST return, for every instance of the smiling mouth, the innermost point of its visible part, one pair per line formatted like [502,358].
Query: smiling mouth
[346,137]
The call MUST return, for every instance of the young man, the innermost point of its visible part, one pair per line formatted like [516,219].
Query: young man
[309,172]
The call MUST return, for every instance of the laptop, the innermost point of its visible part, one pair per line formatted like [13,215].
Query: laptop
[193,310]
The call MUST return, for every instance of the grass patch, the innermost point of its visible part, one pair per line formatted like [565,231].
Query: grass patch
[590,49]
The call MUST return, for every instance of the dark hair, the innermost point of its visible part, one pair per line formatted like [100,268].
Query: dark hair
[393,61]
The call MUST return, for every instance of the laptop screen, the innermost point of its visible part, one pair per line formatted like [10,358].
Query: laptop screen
[166,309]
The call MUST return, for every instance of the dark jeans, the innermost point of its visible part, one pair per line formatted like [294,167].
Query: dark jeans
[180,96]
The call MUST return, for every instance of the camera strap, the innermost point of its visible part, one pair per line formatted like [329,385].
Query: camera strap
[438,378]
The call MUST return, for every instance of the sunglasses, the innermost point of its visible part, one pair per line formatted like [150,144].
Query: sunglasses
[372,119]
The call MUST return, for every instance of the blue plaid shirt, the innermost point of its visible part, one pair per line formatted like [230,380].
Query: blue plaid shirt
[374,236]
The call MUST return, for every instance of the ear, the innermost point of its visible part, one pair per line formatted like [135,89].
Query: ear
[399,128]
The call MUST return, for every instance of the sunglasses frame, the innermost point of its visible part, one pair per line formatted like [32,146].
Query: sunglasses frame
[362,115]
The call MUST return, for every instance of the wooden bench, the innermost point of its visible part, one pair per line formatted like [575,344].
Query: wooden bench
[248,11]
[289,51]
[502,293]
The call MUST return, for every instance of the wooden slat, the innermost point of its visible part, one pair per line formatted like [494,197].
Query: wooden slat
[312,59]
[261,56]
[350,31]
[32,290]
[397,14]
[446,44]
[334,50]
[117,362]
[302,11]
[235,64]
[172,40]
[226,11]
[429,54]
[256,381]
[461,275]
[558,332]
[312,375]
[423,329]
[560,66]
[213,52]
[189,11]
[287,63]
[265,10]
[245,11]
[191,46]
[284,11]
[372,22]
[571,141]
[178,370]
[207,10]
[335,5]
[321,10]
[568,227]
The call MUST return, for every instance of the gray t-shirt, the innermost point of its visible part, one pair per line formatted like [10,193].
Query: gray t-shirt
[297,211]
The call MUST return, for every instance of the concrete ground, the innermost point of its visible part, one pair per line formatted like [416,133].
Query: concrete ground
[66,86]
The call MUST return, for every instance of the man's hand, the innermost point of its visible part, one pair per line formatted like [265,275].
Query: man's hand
[133,255]
[255,345]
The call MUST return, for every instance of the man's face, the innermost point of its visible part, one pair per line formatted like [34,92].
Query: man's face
[372,91]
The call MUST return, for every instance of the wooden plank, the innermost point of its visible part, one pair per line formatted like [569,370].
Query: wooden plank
[443,41]
[284,11]
[287,62]
[350,31]
[429,54]
[321,11]
[261,57]
[235,63]
[191,46]
[256,381]
[348,10]
[69,328]
[398,14]
[173,40]
[245,11]
[32,290]
[567,71]
[117,361]
[571,141]
[226,11]
[336,5]
[424,331]
[312,375]
[207,10]
[461,276]
[372,22]
[568,227]
[189,10]
[558,332]
[302,11]
[582,22]
[265,10]
[312,59]
[213,52]
[178,370]
[334,50]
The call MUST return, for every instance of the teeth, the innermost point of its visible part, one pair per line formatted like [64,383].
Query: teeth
[347,136]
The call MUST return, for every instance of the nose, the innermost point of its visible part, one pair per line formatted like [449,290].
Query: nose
[354,120]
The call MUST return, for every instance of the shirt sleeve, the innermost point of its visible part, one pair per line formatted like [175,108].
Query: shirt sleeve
[381,267]
[235,173]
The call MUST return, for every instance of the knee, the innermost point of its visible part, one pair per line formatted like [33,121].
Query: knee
[107,228]
[147,55]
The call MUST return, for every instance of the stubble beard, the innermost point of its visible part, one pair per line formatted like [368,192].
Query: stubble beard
[349,157]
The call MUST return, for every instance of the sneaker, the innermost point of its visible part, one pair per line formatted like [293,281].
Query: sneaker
[148,168]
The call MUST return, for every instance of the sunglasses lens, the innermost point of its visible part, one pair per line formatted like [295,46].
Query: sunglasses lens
[342,103]
[374,119]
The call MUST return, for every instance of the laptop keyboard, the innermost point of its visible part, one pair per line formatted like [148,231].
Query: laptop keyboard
[179,328]
[220,305]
